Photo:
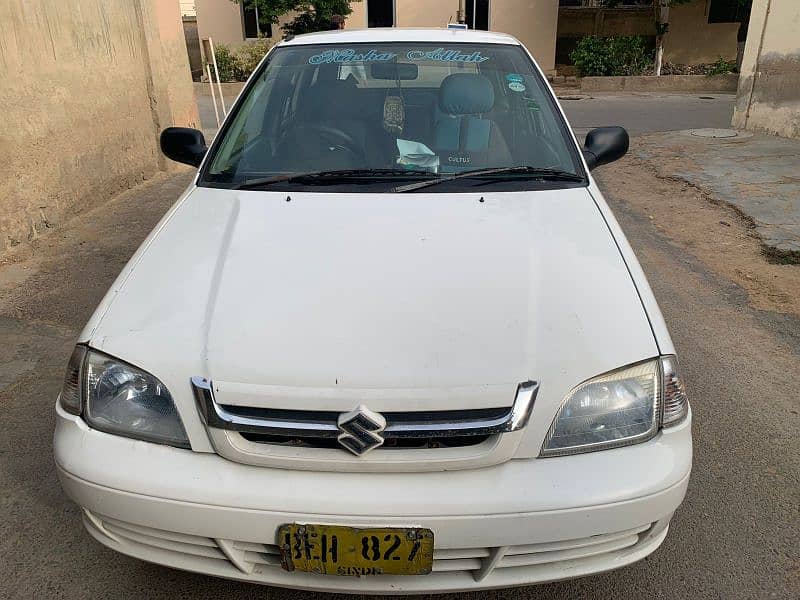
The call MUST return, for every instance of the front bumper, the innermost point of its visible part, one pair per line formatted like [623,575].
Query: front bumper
[522,522]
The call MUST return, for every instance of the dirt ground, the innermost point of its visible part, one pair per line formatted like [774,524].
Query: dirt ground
[713,231]
[38,279]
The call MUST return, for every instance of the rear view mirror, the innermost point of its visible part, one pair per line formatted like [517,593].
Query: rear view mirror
[183,145]
[605,145]
[394,71]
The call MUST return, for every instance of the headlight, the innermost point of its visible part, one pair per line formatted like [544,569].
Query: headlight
[619,408]
[119,398]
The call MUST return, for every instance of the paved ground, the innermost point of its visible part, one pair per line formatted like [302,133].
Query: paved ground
[759,174]
[205,106]
[648,112]
[735,536]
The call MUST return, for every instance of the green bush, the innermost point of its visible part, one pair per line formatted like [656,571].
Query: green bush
[722,66]
[227,64]
[625,55]
[249,55]
[238,65]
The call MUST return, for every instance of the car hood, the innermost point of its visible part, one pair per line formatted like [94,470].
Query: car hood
[415,301]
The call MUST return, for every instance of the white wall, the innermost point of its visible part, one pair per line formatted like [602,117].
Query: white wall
[769,85]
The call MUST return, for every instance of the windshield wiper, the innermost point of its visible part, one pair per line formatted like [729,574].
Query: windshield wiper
[333,175]
[530,172]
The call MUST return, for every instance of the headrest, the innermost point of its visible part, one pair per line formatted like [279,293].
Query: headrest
[466,94]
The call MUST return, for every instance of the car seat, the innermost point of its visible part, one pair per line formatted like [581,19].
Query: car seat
[463,137]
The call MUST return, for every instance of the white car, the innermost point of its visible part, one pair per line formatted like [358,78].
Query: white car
[390,340]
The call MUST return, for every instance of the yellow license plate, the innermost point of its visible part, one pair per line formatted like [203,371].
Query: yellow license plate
[337,550]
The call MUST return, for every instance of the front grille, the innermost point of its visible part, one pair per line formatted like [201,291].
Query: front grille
[390,444]
[403,430]
[480,563]
[326,430]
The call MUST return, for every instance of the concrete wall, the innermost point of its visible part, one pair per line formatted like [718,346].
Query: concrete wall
[220,20]
[769,85]
[533,22]
[693,40]
[684,84]
[173,101]
[419,13]
[87,86]
[579,22]
[358,18]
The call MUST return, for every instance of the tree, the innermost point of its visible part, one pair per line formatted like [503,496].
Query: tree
[661,14]
[314,16]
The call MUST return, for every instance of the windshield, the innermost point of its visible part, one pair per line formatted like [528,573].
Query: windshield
[373,115]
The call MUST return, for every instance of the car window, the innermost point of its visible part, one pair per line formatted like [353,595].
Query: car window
[382,107]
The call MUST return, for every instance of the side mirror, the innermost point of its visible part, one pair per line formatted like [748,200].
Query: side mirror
[605,145]
[183,145]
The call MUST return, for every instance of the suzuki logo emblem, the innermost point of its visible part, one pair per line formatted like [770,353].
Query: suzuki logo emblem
[361,429]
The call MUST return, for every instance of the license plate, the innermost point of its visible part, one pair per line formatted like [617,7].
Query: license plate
[337,550]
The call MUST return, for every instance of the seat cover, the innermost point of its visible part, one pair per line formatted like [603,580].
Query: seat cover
[463,137]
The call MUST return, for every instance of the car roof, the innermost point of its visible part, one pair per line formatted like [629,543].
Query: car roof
[402,34]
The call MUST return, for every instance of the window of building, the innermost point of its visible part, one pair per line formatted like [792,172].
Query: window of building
[478,14]
[253,28]
[727,11]
[380,13]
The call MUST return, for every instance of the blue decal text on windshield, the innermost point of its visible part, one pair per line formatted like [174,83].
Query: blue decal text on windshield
[443,55]
[349,55]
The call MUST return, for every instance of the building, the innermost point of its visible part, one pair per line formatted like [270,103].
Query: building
[700,32]
[534,22]
[768,99]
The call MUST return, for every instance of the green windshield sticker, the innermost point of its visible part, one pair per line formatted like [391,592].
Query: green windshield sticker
[349,55]
[445,55]
[514,78]
[516,86]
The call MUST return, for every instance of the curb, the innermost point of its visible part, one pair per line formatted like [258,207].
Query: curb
[665,83]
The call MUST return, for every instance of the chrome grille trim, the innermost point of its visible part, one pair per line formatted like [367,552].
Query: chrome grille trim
[405,425]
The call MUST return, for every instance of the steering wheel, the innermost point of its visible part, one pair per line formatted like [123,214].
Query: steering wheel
[332,137]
